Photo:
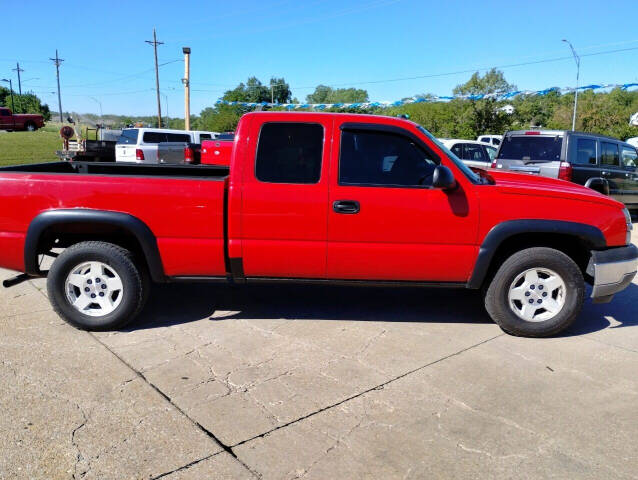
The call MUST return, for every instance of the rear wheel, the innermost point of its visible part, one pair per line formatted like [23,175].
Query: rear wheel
[96,286]
[537,292]
[30,127]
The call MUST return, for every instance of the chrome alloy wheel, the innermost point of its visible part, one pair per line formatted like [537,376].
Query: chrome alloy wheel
[94,289]
[537,295]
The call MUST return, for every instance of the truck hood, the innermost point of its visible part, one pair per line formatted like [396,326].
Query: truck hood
[535,185]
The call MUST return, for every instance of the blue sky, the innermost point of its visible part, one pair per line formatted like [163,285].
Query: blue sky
[334,42]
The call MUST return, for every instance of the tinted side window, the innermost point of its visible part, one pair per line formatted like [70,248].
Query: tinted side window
[153,137]
[289,153]
[379,158]
[204,136]
[128,137]
[178,137]
[585,151]
[4,113]
[496,141]
[609,153]
[458,150]
[474,152]
[629,157]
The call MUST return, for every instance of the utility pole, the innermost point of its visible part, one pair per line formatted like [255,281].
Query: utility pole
[155,43]
[57,61]
[272,93]
[577,60]
[18,69]
[187,87]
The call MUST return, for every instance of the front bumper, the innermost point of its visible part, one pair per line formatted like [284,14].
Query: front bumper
[612,270]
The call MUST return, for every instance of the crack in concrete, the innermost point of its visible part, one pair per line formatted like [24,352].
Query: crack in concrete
[371,389]
[210,434]
[185,467]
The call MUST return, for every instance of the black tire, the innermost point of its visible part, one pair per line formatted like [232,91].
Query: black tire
[30,127]
[135,285]
[497,301]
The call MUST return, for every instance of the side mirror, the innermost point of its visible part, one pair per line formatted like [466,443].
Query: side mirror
[443,178]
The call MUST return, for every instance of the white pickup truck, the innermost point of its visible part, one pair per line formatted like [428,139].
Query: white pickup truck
[154,145]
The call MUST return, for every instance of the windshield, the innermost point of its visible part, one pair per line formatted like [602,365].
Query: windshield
[531,147]
[473,177]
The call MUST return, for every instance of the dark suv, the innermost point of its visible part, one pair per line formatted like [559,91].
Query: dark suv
[605,164]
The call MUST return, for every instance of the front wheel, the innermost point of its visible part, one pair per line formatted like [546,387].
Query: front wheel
[96,286]
[537,292]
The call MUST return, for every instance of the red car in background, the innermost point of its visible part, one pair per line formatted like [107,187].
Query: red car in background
[20,121]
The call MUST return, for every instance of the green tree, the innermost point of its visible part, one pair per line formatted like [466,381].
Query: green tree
[485,116]
[325,94]
[280,90]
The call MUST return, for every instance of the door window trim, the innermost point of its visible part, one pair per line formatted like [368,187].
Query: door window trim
[387,129]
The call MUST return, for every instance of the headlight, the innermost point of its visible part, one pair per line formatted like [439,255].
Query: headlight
[630,226]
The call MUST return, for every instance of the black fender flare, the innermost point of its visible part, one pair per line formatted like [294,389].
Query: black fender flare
[502,231]
[131,224]
[595,181]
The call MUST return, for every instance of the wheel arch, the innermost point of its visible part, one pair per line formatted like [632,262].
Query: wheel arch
[65,227]
[574,239]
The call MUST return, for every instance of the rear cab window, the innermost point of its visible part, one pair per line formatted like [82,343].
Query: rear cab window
[128,137]
[289,152]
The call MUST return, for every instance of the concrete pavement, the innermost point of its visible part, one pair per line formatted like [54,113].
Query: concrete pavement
[315,382]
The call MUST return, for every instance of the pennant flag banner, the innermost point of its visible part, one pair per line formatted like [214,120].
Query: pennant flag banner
[434,98]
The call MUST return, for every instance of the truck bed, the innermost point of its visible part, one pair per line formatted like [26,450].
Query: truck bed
[182,205]
[123,169]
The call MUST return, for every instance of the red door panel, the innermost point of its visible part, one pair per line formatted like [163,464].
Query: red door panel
[401,233]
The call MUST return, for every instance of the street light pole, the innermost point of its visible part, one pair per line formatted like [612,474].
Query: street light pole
[100,104]
[577,60]
[13,107]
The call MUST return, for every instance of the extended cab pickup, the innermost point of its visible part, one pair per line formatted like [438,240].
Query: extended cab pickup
[315,197]
[20,121]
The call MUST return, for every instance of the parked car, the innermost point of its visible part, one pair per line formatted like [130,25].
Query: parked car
[605,164]
[315,197]
[216,152]
[491,139]
[473,153]
[19,121]
[151,145]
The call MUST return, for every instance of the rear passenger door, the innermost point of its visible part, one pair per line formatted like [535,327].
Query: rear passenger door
[611,168]
[284,199]
[629,158]
[584,159]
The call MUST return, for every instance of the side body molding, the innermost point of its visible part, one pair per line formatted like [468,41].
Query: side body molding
[126,222]
[502,231]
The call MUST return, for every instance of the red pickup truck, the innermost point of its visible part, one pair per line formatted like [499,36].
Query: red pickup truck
[315,197]
[20,121]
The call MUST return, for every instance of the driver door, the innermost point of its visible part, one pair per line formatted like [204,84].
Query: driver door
[385,221]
